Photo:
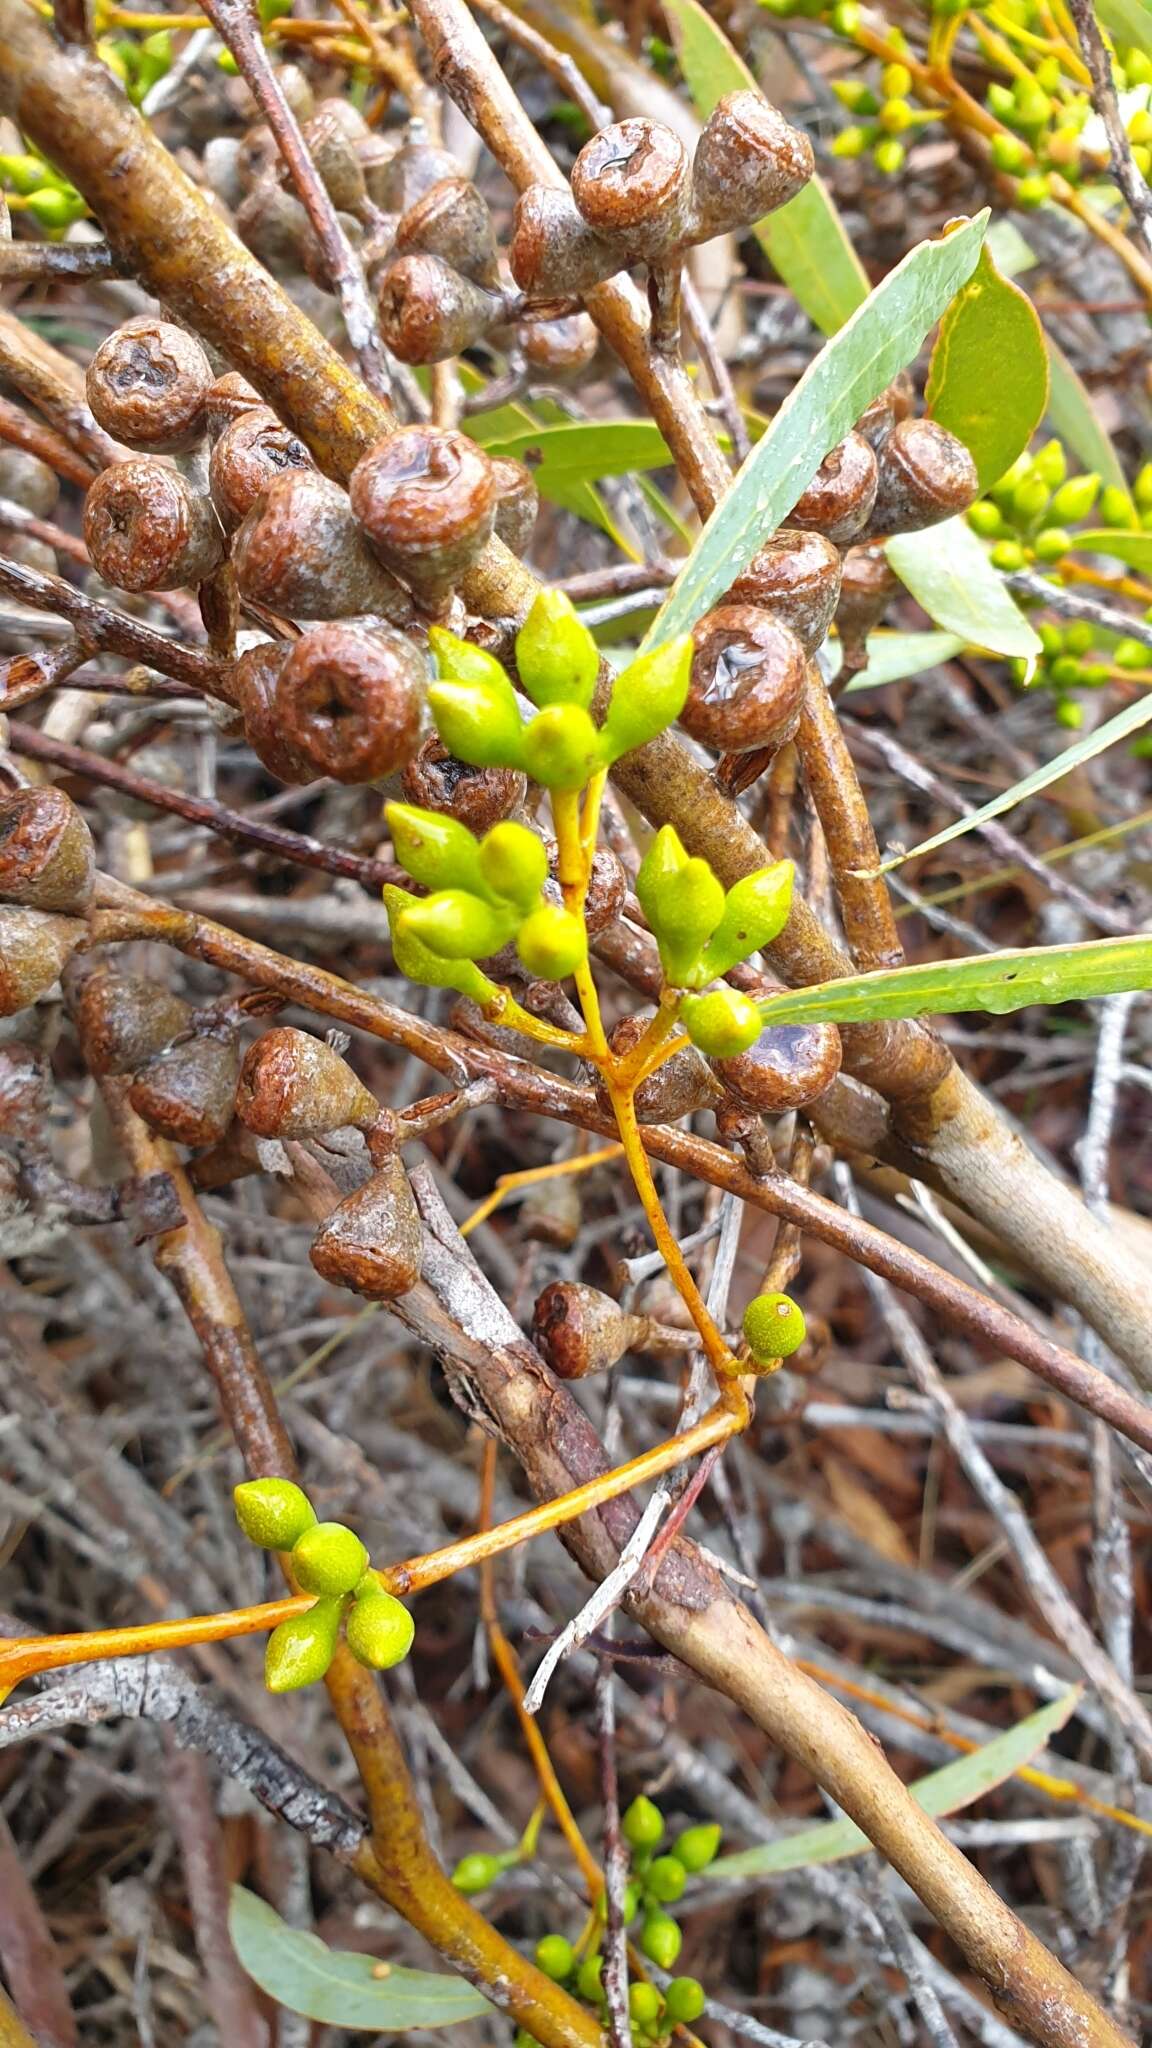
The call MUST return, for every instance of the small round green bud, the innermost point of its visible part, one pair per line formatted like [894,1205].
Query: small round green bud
[1008,152]
[642,1823]
[644,2003]
[684,2001]
[514,863]
[328,1558]
[1138,67]
[552,943]
[1079,636]
[556,656]
[55,209]
[721,1023]
[301,1649]
[846,19]
[24,174]
[556,1957]
[1070,714]
[1051,464]
[1141,749]
[226,62]
[661,1939]
[855,95]
[1142,487]
[631,1903]
[889,156]
[1051,639]
[851,142]
[478,724]
[895,81]
[456,925]
[1074,500]
[1000,101]
[1008,555]
[1029,500]
[438,851]
[985,518]
[774,1327]
[696,1848]
[272,1512]
[588,1979]
[561,747]
[1051,543]
[1094,675]
[1132,654]
[896,117]
[1033,190]
[665,1880]
[1116,507]
[475,1873]
[379,1630]
[1066,671]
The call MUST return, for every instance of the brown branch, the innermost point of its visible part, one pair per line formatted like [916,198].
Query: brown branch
[53,384]
[22,262]
[19,431]
[231,1993]
[114,632]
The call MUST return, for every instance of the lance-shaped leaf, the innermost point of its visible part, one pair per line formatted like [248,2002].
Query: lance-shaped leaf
[339,1987]
[948,572]
[997,982]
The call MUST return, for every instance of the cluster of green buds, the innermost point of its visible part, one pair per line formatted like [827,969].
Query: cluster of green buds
[1050,136]
[139,62]
[703,930]
[330,1561]
[485,894]
[31,185]
[1030,515]
[884,118]
[655,1883]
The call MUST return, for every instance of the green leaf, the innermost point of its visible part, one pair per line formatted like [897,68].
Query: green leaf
[893,656]
[998,982]
[1133,548]
[336,1986]
[806,241]
[852,369]
[988,378]
[584,450]
[1121,727]
[948,572]
[1130,23]
[1076,420]
[947,1790]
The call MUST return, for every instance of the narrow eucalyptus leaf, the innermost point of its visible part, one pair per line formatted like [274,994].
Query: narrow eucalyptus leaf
[337,1986]
[997,982]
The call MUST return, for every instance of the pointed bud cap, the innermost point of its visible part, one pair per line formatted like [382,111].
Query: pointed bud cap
[458,925]
[272,1513]
[557,658]
[721,1023]
[562,748]
[755,912]
[301,1649]
[437,851]
[648,696]
[380,1630]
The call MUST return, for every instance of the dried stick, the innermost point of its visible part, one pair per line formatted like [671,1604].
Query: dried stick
[230,1991]
[113,632]
[31,1963]
[36,261]
[1132,185]
[54,385]
[865,905]
[20,431]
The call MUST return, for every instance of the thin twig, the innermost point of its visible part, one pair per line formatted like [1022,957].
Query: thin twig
[1132,185]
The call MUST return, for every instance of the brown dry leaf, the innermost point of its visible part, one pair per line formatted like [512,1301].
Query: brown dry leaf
[864,1513]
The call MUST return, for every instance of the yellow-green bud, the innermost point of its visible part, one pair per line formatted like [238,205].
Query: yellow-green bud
[476,1872]
[851,141]
[1142,487]
[458,926]
[755,912]
[665,1880]
[1052,542]
[438,851]
[556,655]
[1033,190]
[721,1023]
[684,2000]
[896,117]
[1007,556]
[552,943]
[301,1649]
[1074,500]
[697,1847]
[1116,507]
[644,2001]
[1070,714]
[417,962]
[642,1823]
[648,696]
[272,1512]
[985,518]
[774,1327]
[1132,654]
[660,1941]
[561,748]
[479,722]
[513,863]
[688,904]
[895,81]
[1029,500]
[889,156]
[379,1630]
[556,1957]
[328,1559]
[23,174]
[1008,152]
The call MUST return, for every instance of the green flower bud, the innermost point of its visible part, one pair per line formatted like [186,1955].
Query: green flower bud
[985,518]
[1142,158]
[1033,190]
[689,905]
[1001,102]
[437,850]
[556,1957]
[416,962]
[55,209]
[1079,636]
[458,925]
[684,2001]
[631,1903]
[23,174]
[561,748]
[523,2039]
[1051,638]
[475,1873]
[274,10]
[851,142]
[379,1630]
[1142,487]
[479,722]
[644,2003]
[696,1848]
[1048,74]
[642,1823]
[661,1940]
[556,655]
[1051,543]
[301,1649]
[665,1881]
[1132,654]
[1029,500]
[552,943]
[721,1023]
[648,696]
[895,81]
[155,59]
[272,1512]
[1034,109]
[1141,749]
[1094,675]
[774,1327]
[664,858]
[756,911]
[1066,671]
[1070,714]
[855,95]
[1008,152]
[588,1980]
[1116,507]
[896,117]
[226,62]
[1138,67]
[513,863]
[1008,555]
[328,1558]
[1074,500]
[889,156]
[846,19]
[461,661]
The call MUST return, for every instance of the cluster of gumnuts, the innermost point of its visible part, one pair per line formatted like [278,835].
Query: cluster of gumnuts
[655,1882]
[329,1560]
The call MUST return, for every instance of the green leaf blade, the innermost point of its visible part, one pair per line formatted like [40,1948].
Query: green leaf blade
[1076,420]
[993,982]
[949,574]
[990,324]
[336,1986]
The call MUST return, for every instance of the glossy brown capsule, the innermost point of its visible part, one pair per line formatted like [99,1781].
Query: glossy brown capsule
[46,856]
[293,1085]
[517,502]
[187,1092]
[428,312]
[451,220]
[925,475]
[747,681]
[301,552]
[867,587]
[797,576]
[250,452]
[558,349]
[254,681]
[681,1085]
[229,398]
[426,498]
[408,172]
[477,797]
[749,160]
[147,384]
[333,151]
[350,700]
[632,184]
[122,1019]
[579,1331]
[371,1242]
[789,1065]
[554,255]
[838,502]
[34,946]
[147,528]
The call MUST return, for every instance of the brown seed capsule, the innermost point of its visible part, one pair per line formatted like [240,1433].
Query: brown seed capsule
[579,1331]
[23,1094]
[558,349]
[229,398]
[452,221]
[426,498]
[301,552]
[258,159]
[147,384]
[249,453]
[350,699]
[838,502]
[187,1092]
[867,588]
[554,255]
[371,1242]
[517,502]
[334,152]
[681,1085]
[147,528]
[749,160]
[797,576]
[789,1065]
[255,678]
[632,184]
[121,1019]
[552,1212]
[926,475]
[28,482]
[294,1086]
[428,312]
[409,172]
[46,855]
[477,797]
[273,224]
[34,945]
[747,681]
